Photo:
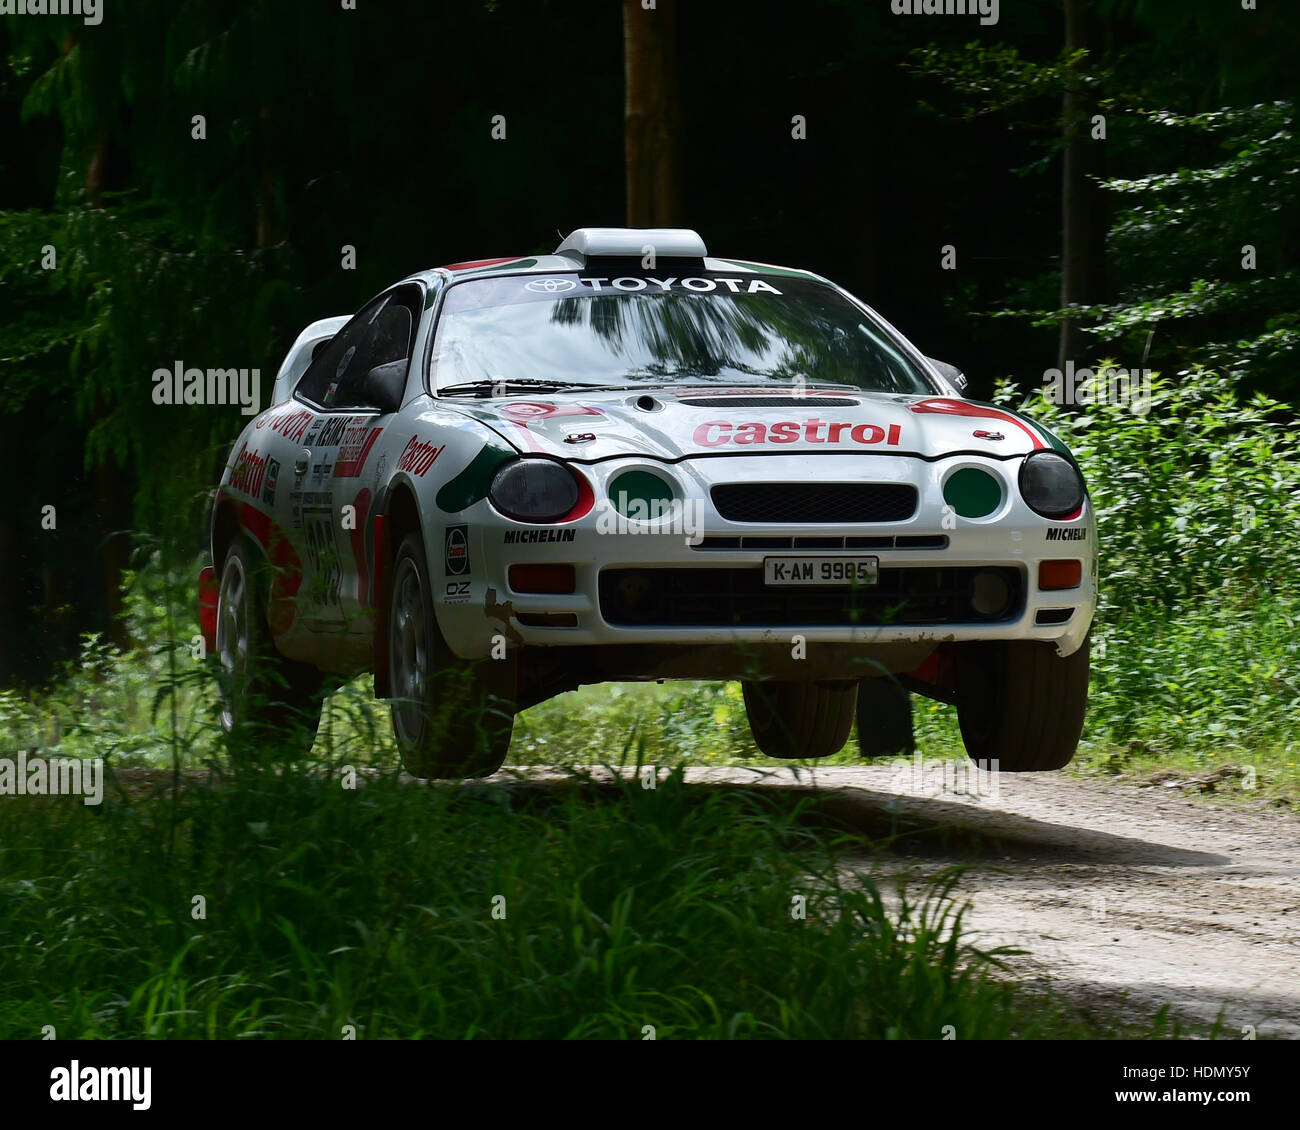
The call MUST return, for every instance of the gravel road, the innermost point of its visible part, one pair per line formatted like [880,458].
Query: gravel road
[1126,898]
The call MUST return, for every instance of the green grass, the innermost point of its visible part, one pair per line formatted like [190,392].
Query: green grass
[620,908]
[1209,698]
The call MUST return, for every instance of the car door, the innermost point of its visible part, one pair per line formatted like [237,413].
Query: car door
[357,473]
[335,477]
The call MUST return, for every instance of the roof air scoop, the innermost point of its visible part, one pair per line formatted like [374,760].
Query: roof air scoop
[679,246]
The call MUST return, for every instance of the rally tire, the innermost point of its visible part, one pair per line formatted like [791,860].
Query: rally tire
[452,718]
[800,720]
[1021,704]
[268,705]
[884,718]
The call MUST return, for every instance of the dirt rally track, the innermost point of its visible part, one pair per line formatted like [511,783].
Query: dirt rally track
[1126,898]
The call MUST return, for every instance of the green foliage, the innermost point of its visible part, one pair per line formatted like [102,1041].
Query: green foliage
[1191,189]
[119,705]
[41,325]
[1182,237]
[1211,682]
[677,723]
[1198,497]
[996,77]
[153,298]
[1198,504]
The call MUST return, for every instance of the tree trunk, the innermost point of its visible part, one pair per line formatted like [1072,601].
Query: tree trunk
[112,506]
[1083,222]
[651,114]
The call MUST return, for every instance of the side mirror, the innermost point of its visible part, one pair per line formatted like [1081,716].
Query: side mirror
[385,385]
[950,373]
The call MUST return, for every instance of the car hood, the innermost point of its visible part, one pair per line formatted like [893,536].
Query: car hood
[683,422]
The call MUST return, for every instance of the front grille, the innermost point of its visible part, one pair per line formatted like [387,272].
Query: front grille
[733,598]
[840,503]
[912,541]
[770,402]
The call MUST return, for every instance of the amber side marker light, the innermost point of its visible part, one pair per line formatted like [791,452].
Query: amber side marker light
[1060,574]
[542,578]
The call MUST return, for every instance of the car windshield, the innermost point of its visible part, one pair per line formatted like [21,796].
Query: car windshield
[497,336]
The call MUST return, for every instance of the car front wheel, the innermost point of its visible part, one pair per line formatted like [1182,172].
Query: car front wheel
[1021,704]
[451,717]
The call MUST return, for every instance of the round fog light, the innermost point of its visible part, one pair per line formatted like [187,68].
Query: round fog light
[989,593]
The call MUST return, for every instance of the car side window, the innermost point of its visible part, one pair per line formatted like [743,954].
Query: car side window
[384,331]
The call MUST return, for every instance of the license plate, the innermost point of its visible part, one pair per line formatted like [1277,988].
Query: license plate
[824,571]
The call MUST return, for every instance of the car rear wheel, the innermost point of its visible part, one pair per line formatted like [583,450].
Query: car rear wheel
[451,718]
[265,700]
[1021,704]
[884,718]
[796,720]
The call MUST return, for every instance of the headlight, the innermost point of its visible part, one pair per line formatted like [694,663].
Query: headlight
[534,490]
[1051,484]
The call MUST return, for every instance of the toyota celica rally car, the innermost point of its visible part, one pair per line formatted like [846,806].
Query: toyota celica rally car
[629,460]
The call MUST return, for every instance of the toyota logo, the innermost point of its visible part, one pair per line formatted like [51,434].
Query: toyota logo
[550,286]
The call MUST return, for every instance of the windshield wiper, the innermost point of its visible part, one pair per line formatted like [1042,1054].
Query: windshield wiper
[504,386]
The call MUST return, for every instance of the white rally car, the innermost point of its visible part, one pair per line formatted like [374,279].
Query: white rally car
[631,460]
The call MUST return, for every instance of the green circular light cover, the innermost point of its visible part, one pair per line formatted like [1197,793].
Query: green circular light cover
[640,495]
[972,493]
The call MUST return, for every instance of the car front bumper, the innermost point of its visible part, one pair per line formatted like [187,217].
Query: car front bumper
[693,578]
